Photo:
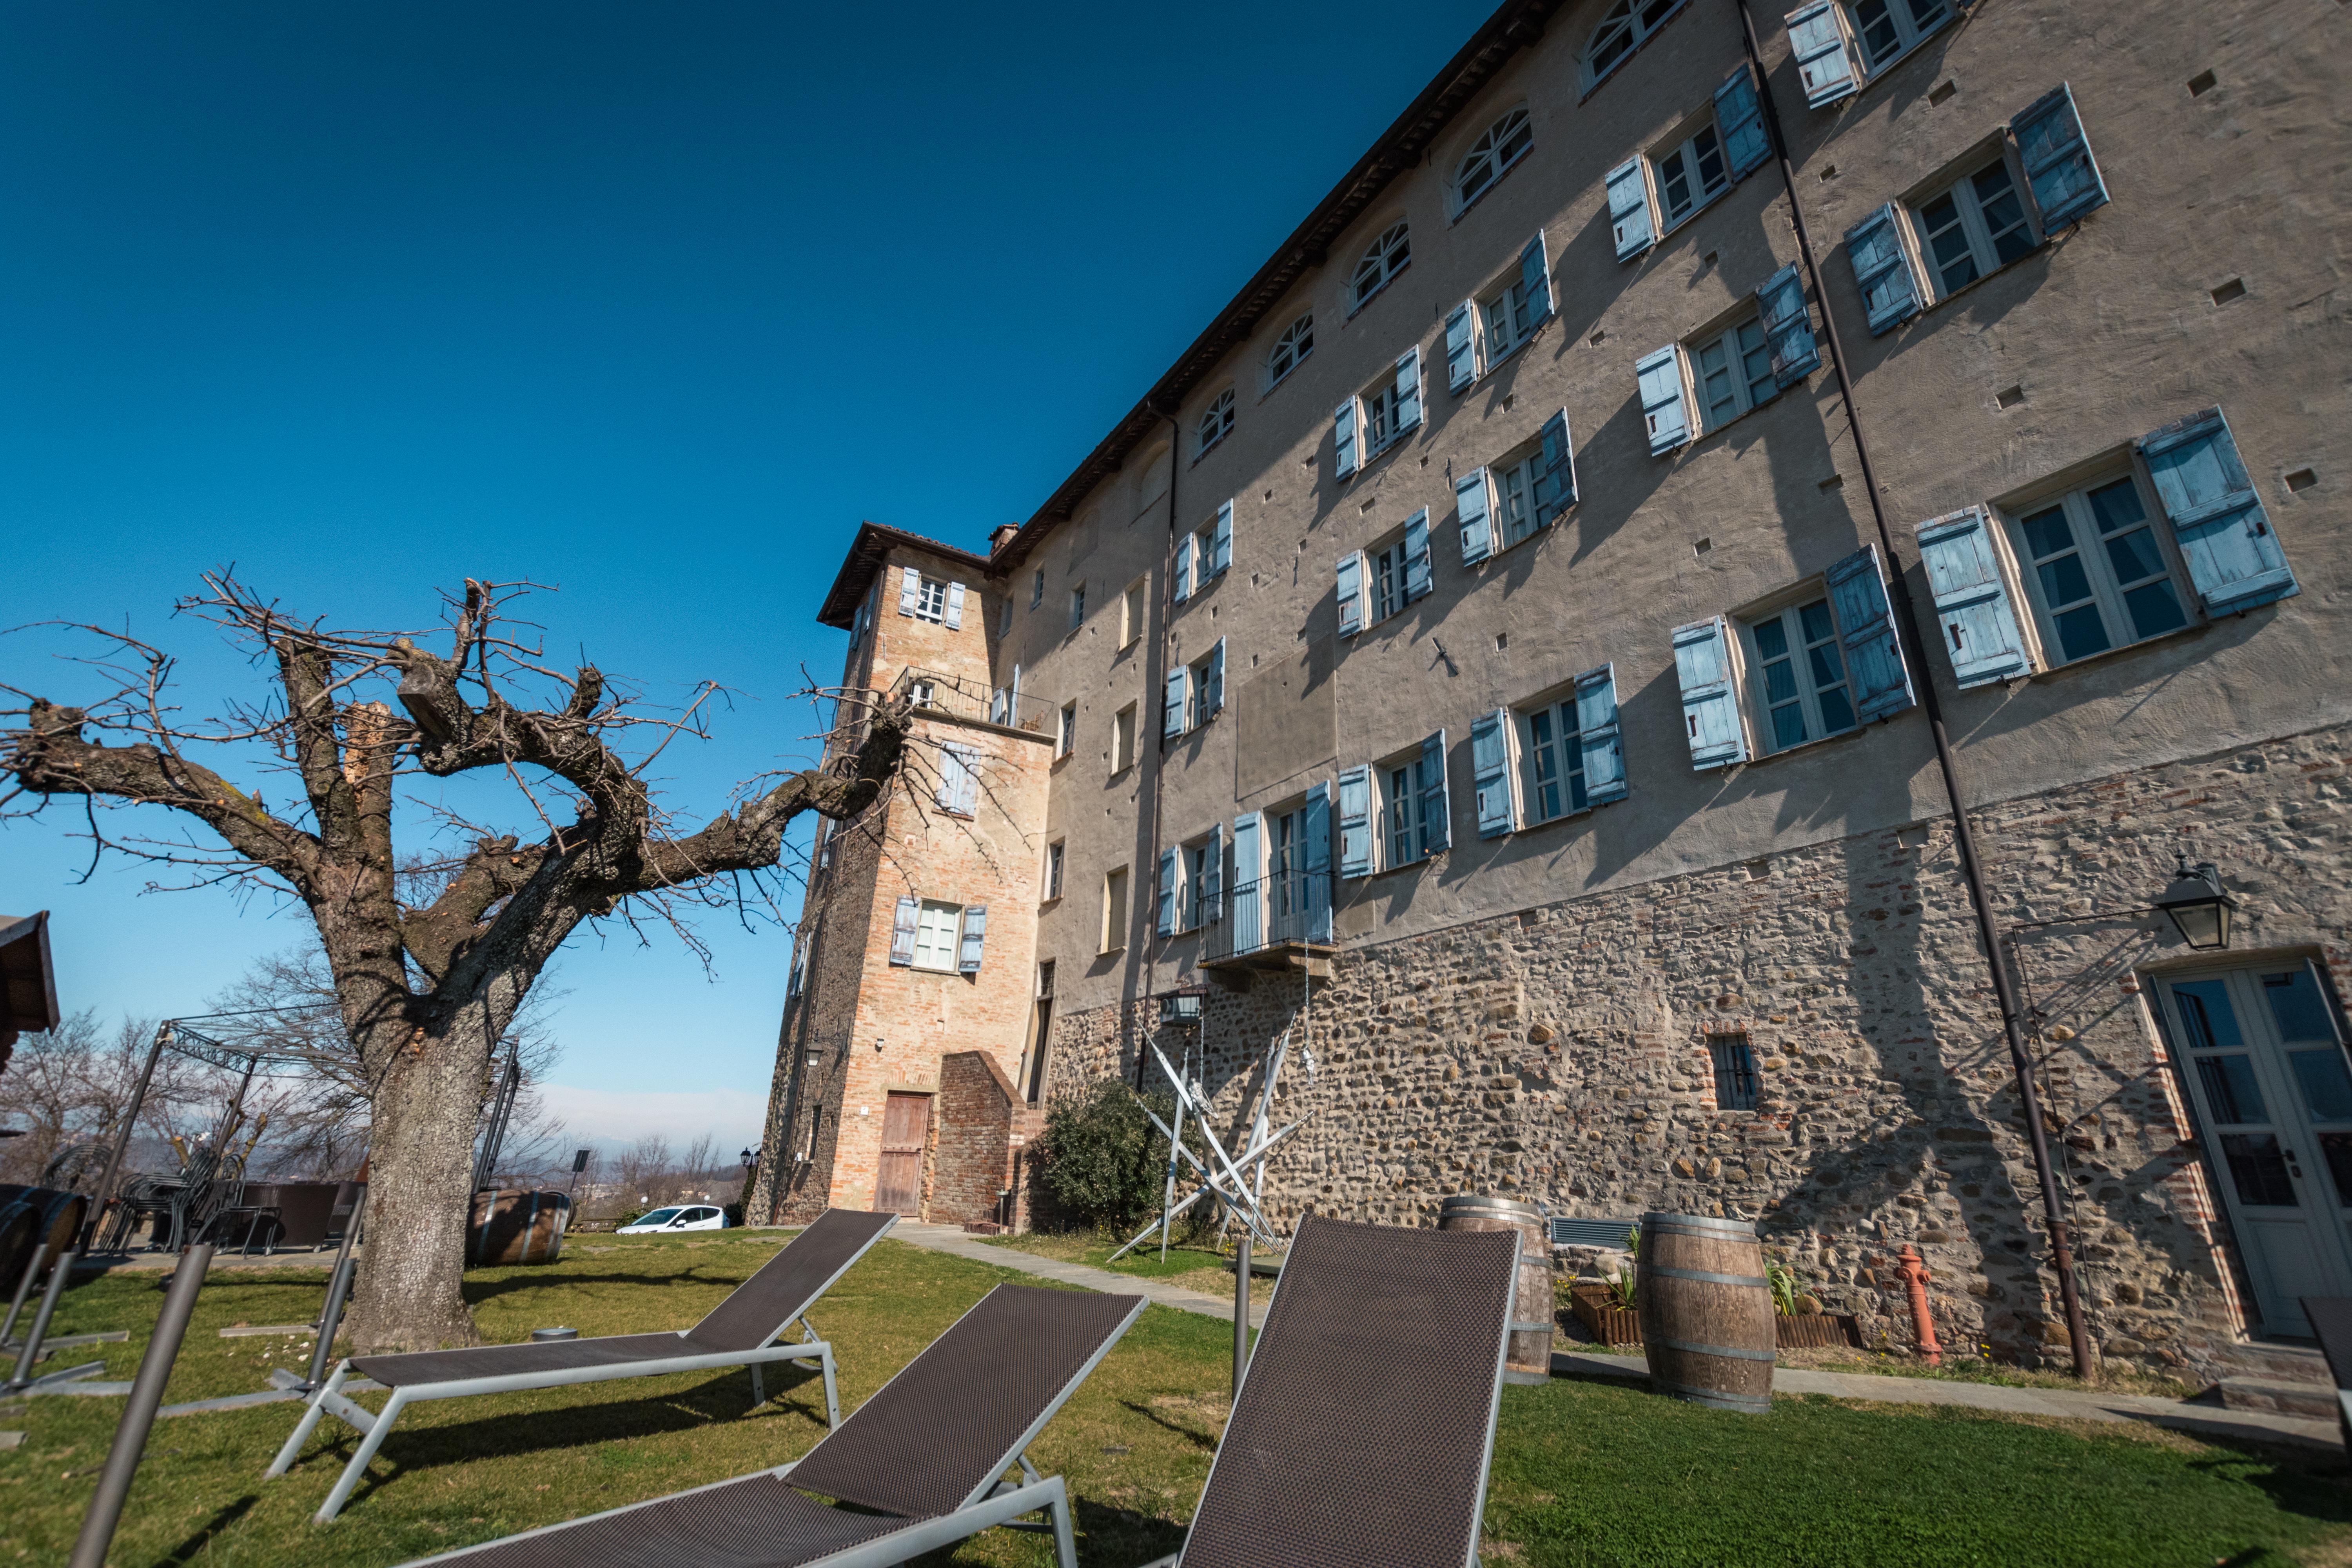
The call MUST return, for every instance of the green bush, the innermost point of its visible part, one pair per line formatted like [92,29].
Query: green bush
[1101,1159]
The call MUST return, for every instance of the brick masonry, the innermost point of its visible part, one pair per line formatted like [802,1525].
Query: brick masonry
[983,1128]
[1561,1052]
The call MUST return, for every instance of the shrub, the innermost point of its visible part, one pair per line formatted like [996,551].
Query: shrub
[1100,1158]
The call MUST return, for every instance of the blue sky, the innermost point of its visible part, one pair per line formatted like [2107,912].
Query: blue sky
[652,303]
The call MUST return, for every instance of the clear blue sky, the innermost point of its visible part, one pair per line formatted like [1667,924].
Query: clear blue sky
[652,302]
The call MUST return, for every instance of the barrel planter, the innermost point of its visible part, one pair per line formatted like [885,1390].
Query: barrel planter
[516,1225]
[30,1215]
[1528,1359]
[1707,1311]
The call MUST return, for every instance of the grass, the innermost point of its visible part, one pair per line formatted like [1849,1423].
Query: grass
[1195,1266]
[1586,1472]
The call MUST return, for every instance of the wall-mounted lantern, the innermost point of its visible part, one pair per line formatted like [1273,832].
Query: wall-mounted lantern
[2199,906]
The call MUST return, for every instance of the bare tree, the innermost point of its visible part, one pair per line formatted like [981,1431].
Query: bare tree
[425,982]
[72,1085]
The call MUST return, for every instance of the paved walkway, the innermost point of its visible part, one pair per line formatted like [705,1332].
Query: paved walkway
[2212,1420]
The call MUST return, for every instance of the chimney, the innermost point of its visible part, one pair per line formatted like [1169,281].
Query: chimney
[999,538]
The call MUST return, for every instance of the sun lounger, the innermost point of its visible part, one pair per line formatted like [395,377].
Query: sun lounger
[921,1465]
[1366,1419]
[743,1330]
[2331,1318]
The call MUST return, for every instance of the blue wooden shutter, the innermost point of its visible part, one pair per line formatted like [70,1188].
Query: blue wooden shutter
[1881,270]
[968,786]
[1818,42]
[953,766]
[1787,327]
[910,590]
[1710,705]
[1556,479]
[1187,547]
[1490,772]
[1660,378]
[1356,822]
[1000,704]
[902,933]
[1460,348]
[2224,534]
[1416,555]
[1629,209]
[1171,716]
[1343,438]
[1214,702]
[1873,654]
[975,932]
[1408,390]
[1221,543]
[1599,734]
[1436,818]
[1979,626]
[1535,278]
[1213,878]
[1477,520]
[1739,121]
[1166,923]
[1317,830]
[1351,575]
[799,980]
[955,606]
[1249,926]
[2057,159]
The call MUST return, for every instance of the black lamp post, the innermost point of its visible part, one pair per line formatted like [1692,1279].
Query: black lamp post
[751,1158]
[2199,906]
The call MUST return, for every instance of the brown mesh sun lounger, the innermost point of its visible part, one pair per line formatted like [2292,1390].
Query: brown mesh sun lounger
[1339,1449]
[2330,1318]
[921,1465]
[743,1330]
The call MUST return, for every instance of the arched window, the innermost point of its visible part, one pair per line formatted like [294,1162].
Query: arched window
[1216,421]
[1298,341]
[1621,31]
[1388,257]
[1505,143]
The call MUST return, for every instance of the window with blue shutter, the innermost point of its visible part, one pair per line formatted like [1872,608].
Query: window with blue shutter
[1556,475]
[1350,592]
[1787,326]
[1171,713]
[1221,541]
[1739,121]
[1186,546]
[1629,209]
[1000,706]
[955,607]
[1477,517]
[1213,878]
[1249,877]
[1881,270]
[1599,734]
[2059,167]
[1490,772]
[902,932]
[2218,519]
[1214,702]
[1343,438]
[1356,822]
[1880,682]
[1976,620]
[1817,40]
[1436,821]
[1416,555]
[1660,375]
[1535,278]
[1407,391]
[1317,862]
[1165,925]
[1710,707]
[975,932]
[958,784]
[1461,347]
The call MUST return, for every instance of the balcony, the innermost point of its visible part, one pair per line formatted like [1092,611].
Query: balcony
[927,690]
[1281,921]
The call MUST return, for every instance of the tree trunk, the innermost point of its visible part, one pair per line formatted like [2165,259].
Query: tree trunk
[420,1190]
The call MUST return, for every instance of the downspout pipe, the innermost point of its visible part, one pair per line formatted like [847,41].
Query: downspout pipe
[1906,622]
[1155,677]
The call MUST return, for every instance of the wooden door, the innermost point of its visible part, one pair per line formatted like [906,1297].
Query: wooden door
[898,1180]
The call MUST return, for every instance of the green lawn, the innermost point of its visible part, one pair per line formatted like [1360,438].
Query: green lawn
[1594,1472]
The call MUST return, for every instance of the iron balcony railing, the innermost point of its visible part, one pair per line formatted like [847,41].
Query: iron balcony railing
[929,691]
[1280,910]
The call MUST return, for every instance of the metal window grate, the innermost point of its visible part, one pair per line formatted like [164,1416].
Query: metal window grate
[1735,1074]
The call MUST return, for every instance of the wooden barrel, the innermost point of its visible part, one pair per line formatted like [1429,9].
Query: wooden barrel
[515,1226]
[30,1215]
[1707,1311]
[1528,1357]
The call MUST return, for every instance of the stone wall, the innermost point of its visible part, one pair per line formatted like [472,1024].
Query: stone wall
[1562,1053]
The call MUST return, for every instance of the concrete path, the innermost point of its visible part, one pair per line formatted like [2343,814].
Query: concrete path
[953,1239]
[2212,1420]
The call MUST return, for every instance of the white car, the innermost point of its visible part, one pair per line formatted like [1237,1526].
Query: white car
[683,1216]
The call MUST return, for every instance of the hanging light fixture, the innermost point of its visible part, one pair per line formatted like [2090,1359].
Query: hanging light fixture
[2199,906]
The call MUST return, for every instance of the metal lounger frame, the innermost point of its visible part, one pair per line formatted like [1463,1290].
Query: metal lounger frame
[330,1400]
[993,1502]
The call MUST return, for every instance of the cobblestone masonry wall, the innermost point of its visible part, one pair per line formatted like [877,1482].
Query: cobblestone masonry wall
[1561,1052]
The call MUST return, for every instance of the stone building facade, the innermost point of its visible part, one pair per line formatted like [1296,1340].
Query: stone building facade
[1480,654]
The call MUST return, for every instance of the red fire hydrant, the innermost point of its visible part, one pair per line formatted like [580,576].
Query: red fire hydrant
[1914,1276]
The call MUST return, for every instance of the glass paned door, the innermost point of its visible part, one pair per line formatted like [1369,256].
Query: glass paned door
[2267,1069]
